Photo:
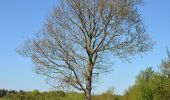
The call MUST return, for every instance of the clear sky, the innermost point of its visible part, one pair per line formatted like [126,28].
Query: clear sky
[19,19]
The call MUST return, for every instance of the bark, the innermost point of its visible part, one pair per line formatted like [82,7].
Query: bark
[89,80]
[88,94]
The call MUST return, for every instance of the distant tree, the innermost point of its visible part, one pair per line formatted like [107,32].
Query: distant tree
[165,65]
[12,91]
[74,46]
[110,90]
[3,92]
[35,92]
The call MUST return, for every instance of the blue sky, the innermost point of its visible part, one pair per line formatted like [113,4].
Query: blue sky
[19,19]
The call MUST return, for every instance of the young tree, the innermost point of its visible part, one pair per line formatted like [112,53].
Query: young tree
[165,65]
[74,45]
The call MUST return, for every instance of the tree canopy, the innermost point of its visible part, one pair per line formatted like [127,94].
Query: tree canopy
[73,47]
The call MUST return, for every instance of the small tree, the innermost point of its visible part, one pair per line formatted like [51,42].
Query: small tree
[3,92]
[74,47]
[165,65]
[35,92]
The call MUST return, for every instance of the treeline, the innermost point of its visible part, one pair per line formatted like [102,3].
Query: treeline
[37,95]
[52,95]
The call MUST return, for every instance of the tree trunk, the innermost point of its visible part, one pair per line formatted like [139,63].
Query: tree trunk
[89,80]
[88,94]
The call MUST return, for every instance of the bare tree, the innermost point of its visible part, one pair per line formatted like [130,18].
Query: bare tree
[80,35]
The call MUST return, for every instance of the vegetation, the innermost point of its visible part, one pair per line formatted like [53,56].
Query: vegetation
[149,85]
[52,95]
[72,49]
